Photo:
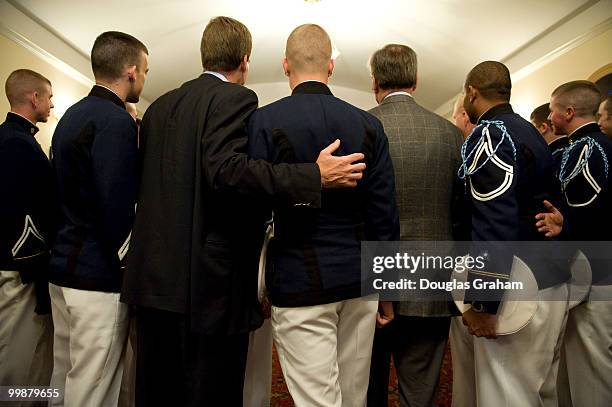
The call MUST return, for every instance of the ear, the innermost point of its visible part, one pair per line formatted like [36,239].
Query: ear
[244,64]
[131,73]
[472,93]
[286,67]
[416,82]
[375,87]
[330,67]
[570,112]
[34,100]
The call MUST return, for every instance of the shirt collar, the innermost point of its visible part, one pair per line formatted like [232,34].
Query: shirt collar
[312,87]
[399,92]
[106,93]
[502,108]
[218,75]
[27,125]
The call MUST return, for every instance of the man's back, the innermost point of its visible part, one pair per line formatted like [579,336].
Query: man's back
[425,149]
[317,253]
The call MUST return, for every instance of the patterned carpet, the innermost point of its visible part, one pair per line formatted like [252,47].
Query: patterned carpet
[281,397]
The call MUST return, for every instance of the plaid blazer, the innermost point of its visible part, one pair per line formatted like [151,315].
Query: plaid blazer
[425,149]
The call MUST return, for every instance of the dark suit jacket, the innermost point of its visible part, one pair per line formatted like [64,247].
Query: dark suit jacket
[195,243]
[317,254]
[425,149]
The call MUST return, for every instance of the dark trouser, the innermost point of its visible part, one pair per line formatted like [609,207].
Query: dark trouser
[417,345]
[179,367]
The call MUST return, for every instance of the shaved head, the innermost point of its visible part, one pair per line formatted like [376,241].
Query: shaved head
[492,79]
[583,96]
[309,50]
[22,83]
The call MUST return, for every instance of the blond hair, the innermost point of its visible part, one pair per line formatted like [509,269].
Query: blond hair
[309,49]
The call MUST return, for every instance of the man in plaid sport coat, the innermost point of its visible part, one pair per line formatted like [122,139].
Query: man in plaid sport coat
[425,149]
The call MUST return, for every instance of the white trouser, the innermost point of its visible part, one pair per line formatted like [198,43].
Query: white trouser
[518,370]
[26,339]
[325,351]
[89,343]
[585,378]
[258,376]
[127,394]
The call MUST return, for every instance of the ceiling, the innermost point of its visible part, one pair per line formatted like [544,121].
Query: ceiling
[449,36]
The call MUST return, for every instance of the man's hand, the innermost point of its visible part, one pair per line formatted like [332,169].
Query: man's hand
[339,172]
[480,324]
[550,223]
[385,314]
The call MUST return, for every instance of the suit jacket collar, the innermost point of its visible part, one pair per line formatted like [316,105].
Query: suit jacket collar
[502,108]
[104,93]
[312,87]
[21,121]
[398,98]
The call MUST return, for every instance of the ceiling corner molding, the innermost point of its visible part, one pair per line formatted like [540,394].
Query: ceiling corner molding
[589,21]
[24,30]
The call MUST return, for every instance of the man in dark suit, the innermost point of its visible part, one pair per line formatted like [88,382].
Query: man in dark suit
[419,141]
[193,263]
[322,325]
[96,168]
[556,143]
[27,227]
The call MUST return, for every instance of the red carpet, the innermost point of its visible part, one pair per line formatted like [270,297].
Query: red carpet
[281,397]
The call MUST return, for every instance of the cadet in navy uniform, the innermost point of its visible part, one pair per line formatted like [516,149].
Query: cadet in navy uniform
[509,172]
[95,159]
[27,219]
[556,142]
[322,326]
[586,185]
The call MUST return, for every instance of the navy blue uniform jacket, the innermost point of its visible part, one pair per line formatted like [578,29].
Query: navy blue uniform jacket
[506,193]
[95,161]
[316,253]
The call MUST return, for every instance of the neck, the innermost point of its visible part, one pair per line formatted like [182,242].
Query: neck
[117,87]
[25,112]
[383,93]
[234,76]
[578,122]
[486,105]
[296,78]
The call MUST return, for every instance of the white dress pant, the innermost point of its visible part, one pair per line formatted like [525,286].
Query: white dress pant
[325,351]
[585,378]
[518,370]
[26,339]
[258,376]
[89,343]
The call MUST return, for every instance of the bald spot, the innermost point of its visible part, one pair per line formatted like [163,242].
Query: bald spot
[308,49]
[22,83]
[458,108]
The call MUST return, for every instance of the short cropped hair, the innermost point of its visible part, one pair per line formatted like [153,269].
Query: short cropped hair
[308,49]
[540,115]
[492,79]
[608,104]
[584,96]
[394,67]
[225,42]
[21,83]
[113,51]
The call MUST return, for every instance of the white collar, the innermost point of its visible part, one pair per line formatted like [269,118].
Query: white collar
[399,92]
[218,75]
[578,128]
